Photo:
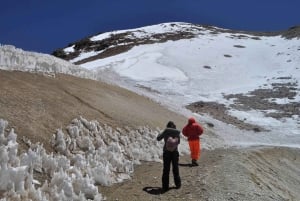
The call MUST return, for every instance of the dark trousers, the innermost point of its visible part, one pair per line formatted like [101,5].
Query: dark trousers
[168,158]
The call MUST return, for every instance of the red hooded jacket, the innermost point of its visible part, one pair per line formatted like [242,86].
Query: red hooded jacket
[192,130]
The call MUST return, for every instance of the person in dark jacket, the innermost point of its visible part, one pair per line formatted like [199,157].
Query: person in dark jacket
[170,156]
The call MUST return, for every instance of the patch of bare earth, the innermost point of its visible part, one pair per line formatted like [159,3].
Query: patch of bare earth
[263,100]
[219,111]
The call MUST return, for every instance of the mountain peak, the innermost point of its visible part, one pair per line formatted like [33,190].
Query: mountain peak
[108,44]
[115,42]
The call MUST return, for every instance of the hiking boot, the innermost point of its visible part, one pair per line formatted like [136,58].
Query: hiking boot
[194,163]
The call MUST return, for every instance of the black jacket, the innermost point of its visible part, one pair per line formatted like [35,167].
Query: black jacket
[167,133]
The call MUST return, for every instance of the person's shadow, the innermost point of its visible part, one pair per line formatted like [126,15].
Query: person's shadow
[153,190]
[185,164]
[156,190]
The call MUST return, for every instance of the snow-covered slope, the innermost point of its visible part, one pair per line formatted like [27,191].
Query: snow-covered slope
[180,64]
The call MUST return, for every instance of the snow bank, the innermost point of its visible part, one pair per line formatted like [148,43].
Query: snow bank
[88,155]
[12,58]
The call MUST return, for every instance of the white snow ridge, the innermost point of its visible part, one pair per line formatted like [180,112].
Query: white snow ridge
[87,156]
[12,58]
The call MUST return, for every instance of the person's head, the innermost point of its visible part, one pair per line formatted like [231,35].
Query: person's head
[191,120]
[171,124]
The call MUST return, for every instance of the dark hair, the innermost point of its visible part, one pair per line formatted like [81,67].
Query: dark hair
[171,124]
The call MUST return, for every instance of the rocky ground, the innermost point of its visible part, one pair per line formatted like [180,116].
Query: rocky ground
[222,175]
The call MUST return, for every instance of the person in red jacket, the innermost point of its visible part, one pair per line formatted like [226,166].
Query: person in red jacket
[192,131]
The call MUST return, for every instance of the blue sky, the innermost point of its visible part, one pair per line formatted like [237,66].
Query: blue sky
[43,25]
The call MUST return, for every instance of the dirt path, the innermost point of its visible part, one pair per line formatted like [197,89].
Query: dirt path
[146,183]
[252,174]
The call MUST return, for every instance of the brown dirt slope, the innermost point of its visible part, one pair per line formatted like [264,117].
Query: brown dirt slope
[37,105]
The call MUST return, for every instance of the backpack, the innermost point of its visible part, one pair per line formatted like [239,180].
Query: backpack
[171,143]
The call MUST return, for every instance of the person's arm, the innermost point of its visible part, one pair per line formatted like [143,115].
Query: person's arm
[161,136]
[200,129]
